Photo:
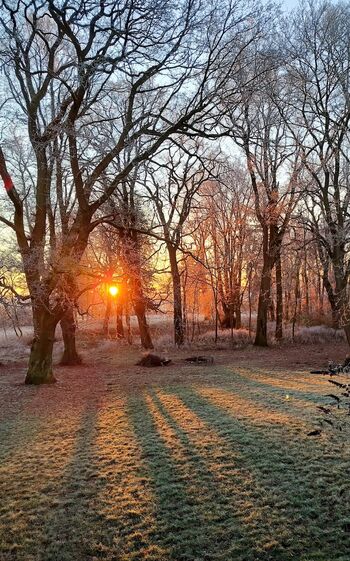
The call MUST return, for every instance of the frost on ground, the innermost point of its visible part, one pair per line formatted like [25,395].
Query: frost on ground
[190,462]
[15,347]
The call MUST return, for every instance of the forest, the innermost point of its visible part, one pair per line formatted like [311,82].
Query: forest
[176,180]
[196,156]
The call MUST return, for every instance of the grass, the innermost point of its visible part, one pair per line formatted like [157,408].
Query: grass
[185,463]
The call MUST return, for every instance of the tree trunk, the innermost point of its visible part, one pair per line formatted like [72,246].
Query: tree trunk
[229,318]
[184,304]
[341,301]
[306,287]
[331,296]
[70,355]
[271,312]
[132,263]
[179,334]
[263,306]
[238,315]
[279,299]
[250,273]
[40,360]
[296,299]
[119,322]
[105,327]
[128,326]
[287,305]
[347,333]
[216,313]
[145,335]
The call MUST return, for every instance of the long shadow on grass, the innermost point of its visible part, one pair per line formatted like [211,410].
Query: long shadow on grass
[192,527]
[276,390]
[18,426]
[16,434]
[73,525]
[275,397]
[227,533]
[301,484]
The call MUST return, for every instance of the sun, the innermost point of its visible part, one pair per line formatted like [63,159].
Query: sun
[113,290]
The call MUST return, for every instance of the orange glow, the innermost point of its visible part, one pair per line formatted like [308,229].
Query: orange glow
[113,290]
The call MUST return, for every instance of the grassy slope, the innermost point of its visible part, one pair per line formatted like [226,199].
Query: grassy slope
[211,464]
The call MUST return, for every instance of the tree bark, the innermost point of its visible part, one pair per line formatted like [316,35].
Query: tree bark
[229,318]
[140,311]
[40,360]
[336,295]
[263,306]
[296,298]
[279,299]
[105,327]
[179,332]
[119,323]
[341,300]
[347,333]
[238,314]
[128,326]
[132,262]
[70,355]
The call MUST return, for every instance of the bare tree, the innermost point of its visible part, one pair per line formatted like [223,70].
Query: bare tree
[227,216]
[145,66]
[316,44]
[173,177]
[130,219]
[273,165]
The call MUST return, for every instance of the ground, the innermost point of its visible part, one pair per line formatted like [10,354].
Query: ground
[185,462]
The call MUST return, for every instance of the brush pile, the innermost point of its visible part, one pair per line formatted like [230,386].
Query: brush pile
[200,359]
[151,360]
[336,413]
[334,368]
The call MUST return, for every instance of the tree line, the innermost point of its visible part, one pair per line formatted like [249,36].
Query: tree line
[218,131]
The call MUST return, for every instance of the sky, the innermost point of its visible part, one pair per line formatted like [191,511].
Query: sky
[289,4]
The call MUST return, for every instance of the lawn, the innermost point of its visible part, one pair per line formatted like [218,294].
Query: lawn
[118,462]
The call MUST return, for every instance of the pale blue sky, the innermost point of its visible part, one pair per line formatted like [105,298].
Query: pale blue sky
[289,4]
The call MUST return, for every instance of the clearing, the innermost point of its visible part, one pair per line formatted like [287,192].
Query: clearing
[185,462]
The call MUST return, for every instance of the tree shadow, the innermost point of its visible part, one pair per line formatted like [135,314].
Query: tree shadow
[303,483]
[73,524]
[195,520]
[311,397]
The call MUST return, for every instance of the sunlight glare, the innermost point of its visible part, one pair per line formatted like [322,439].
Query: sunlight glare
[113,290]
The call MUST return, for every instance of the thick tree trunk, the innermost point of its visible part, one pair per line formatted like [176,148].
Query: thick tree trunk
[279,300]
[296,298]
[271,251]
[179,332]
[341,300]
[70,355]
[331,297]
[140,312]
[263,307]
[238,314]
[287,305]
[133,266]
[347,333]
[128,327]
[119,325]
[337,296]
[40,360]
[145,335]
[105,327]
[228,321]
[184,304]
